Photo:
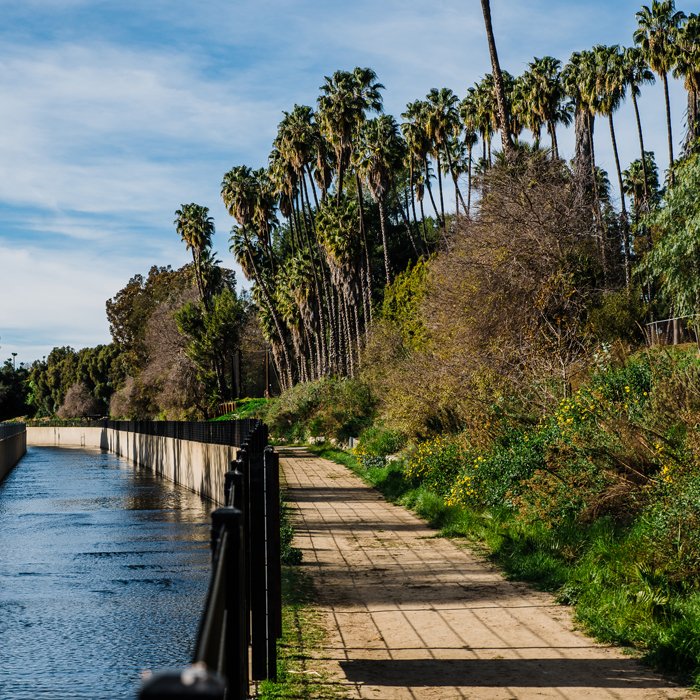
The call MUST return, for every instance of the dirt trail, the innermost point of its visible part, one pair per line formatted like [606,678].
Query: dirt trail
[413,616]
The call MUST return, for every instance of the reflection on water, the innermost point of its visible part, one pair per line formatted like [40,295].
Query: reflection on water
[103,573]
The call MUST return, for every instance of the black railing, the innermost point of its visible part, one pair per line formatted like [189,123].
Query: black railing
[242,620]
[8,430]
[228,432]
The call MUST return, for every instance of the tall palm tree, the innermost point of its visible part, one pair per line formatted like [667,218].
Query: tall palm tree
[244,201]
[346,98]
[196,228]
[611,87]
[419,144]
[468,114]
[502,106]
[579,80]
[636,73]
[656,35]
[688,68]
[548,97]
[381,155]
[442,125]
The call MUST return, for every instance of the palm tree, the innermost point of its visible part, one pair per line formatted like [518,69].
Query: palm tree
[656,35]
[688,68]
[442,126]
[611,87]
[346,98]
[196,228]
[548,97]
[578,79]
[419,145]
[636,73]
[381,155]
[502,106]
[468,114]
[244,200]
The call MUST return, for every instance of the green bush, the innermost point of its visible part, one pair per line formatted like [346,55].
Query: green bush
[331,407]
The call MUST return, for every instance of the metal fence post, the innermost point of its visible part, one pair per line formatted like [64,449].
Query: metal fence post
[274,545]
[232,647]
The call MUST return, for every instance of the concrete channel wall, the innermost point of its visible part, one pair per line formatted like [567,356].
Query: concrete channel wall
[12,449]
[197,466]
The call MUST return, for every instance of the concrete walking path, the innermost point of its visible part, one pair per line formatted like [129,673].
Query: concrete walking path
[414,616]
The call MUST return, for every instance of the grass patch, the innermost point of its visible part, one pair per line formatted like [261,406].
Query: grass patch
[335,454]
[299,676]
[246,408]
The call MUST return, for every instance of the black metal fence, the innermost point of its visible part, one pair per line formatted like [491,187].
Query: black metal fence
[8,430]
[229,432]
[242,620]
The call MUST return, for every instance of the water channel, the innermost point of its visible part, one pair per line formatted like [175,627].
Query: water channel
[103,574]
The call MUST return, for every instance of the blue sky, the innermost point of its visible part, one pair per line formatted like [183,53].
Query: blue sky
[115,112]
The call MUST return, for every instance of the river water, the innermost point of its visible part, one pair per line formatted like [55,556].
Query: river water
[103,574]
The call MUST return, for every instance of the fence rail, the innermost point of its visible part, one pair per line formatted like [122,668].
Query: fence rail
[228,432]
[672,331]
[8,430]
[242,619]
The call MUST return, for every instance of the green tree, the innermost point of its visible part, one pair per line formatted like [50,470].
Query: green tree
[657,35]
[214,340]
[688,67]
[675,259]
[636,73]
[380,157]
[196,229]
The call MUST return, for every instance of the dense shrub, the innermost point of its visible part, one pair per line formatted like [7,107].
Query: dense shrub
[376,444]
[331,408]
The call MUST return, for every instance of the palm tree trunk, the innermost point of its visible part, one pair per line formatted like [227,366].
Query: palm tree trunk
[430,192]
[640,133]
[623,206]
[469,182]
[458,193]
[382,224]
[503,116]
[424,225]
[553,135]
[273,312]
[590,121]
[366,293]
[407,223]
[439,174]
[668,127]
[347,342]
[309,174]
[312,254]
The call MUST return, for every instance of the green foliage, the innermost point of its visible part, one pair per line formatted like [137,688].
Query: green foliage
[675,259]
[14,395]
[401,305]
[620,316]
[100,369]
[435,463]
[376,444]
[331,408]
[247,408]
[214,336]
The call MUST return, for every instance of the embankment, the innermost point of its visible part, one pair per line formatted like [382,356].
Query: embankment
[198,466]
[13,445]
